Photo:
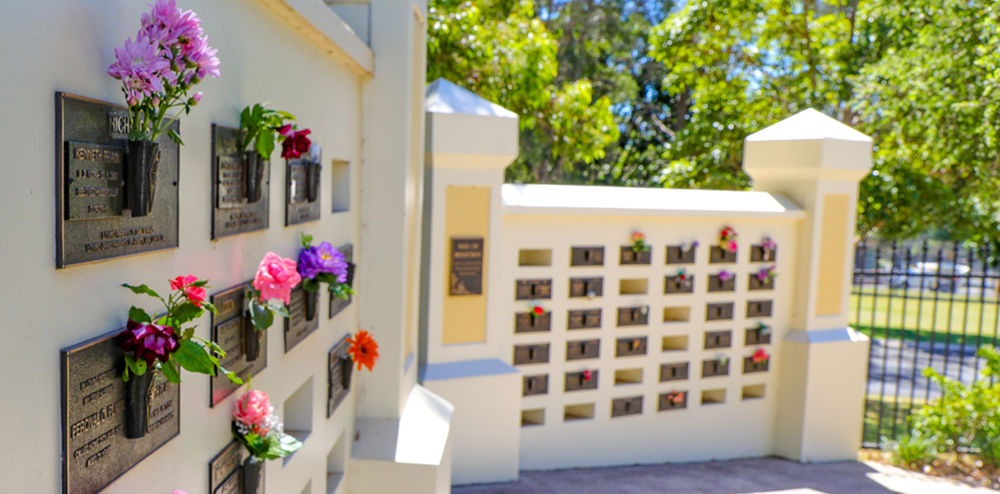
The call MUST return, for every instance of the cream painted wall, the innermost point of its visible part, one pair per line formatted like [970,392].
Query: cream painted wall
[63,45]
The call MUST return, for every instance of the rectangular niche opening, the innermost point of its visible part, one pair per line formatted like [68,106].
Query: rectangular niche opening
[578,412]
[676,314]
[713,396]
[341,182]
[336,464]
[534,257]
[308,488]
[753,392]
[298,414]
[628,376]
[638,286]
[675,343]
[535,416]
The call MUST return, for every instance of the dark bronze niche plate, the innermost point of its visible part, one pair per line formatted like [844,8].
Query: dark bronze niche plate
[577,381]
[340,367]
[535,385]
[581,287]
[95,450]
[632,316]
[227,331]
[231,213]
[628,347]
[583,349]
[531,354]
[713,368]
[674,372]
[756,336]
[338,304]
[750,367]
[297,327]
[718,339]
[677,254]
[718,255]
[717,284]
[626,406]
[467,266]
[759,308]
[586,256]
[527,289]
[298,207]
[526,322]
[225,471]
[719,312]
[584,319]
[759,254]
[93,221]
[667,403]
[629,256]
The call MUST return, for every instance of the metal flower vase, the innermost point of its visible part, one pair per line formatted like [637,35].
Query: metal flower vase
[143,160]
[251,340]
[137,404]
[252,469]
[311,301]
[253,175]
[312,180]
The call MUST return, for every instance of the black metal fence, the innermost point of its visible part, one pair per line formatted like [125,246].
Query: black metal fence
[924,305]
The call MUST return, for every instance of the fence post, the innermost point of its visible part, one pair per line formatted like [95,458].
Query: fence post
[818,162]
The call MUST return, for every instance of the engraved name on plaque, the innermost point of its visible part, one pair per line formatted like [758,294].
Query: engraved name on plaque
[224,470]
[338,304]
[227,332]
[234,211]
[298,327]
[93,218]
[466,266]
[95,450]
[302,187]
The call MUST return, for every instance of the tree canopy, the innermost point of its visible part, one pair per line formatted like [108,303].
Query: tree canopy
[649,93]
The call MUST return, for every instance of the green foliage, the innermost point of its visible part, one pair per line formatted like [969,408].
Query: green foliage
[261,126]
[965,415]
[501,51]
[270,446]
[911,450]
[261,315]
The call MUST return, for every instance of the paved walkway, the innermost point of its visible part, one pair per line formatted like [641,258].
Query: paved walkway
[756,476]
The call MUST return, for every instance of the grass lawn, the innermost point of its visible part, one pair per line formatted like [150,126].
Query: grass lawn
[921,313]
[873,431]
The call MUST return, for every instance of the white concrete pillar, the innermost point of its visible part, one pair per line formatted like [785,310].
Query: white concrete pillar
[470,142]
[818,162]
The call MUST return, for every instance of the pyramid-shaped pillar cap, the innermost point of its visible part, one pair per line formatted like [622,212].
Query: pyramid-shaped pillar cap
[808,144]
[465,130]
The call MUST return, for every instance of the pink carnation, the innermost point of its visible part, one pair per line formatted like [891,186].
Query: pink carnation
[276,277]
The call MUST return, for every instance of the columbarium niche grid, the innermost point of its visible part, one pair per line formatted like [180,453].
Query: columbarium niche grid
[693,336]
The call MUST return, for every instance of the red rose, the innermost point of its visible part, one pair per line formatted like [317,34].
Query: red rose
[538,310]
[295,144]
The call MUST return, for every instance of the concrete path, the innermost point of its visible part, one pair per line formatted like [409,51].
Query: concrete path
[894,364]
[756,476]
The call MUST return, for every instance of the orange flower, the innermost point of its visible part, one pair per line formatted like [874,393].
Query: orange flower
[364,349]
[638,237]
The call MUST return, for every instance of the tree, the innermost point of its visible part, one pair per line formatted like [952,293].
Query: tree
[917,76]
[501,51]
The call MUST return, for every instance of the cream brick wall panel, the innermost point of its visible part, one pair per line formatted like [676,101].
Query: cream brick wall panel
[734,429]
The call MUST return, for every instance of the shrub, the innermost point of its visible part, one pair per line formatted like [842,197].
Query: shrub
[911,450]
[966,416]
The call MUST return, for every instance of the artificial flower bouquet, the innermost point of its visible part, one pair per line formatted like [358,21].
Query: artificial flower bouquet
[766,275]
[262,128]
[727,240]
[169,56]
[323,264]
[768,248]
[363,349]
[269,293]
[639,243]
[261,432]
[162,343]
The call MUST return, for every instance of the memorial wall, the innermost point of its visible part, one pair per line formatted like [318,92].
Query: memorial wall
[199,153]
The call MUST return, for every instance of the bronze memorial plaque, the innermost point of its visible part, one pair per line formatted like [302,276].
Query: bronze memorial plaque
[299,326]
[340,368]
[228,330]
[302,188]
[94,220]
[95,450]
[225,470]
[240,197]
[466,266]
[338,304]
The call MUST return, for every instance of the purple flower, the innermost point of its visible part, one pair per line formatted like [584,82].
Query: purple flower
[138,66]
[725,275]
[322,259]
[150,342]
[767,244]
[201,58]
[765,274]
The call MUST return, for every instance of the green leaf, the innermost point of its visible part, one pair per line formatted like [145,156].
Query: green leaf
[281,309]
[261,316]
[174,136]
[245,118]
[170,372]
[138,367]
[142,289]
[306,240]
[138,315]
[265,144]
[188,334]
[200,283]
[310,285]
[211,308]
[232,376]
[186,312]
[193,358]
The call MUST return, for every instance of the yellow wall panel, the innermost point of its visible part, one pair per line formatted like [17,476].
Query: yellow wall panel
[832,251]
[467,215]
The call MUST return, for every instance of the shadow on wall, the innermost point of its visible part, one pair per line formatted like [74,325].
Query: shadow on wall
[756,476]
